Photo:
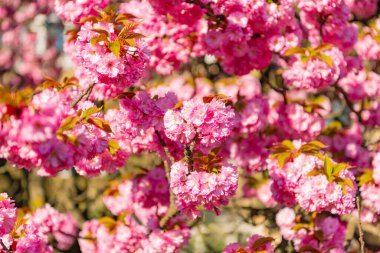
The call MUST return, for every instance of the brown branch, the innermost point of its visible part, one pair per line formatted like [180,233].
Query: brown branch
[77,236]
[166,149]
[4,247]
[278,90]
[361,235]
[85,94]
[349,103]
[172,207]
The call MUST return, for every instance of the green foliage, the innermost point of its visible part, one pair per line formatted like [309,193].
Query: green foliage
[285,151]
[309,53]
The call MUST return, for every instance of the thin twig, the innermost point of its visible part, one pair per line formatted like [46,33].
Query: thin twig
[349,103]
[4,247]
[172,207]
[85,94]
[77,236]
[278,90]
[166,149]
[361,235]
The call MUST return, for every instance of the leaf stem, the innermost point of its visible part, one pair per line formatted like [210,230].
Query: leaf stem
[166,149]
[85,94]
[361,235]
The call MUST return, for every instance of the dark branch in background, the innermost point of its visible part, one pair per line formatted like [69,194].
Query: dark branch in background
[166,149]
[85,94]
[4,247]
[278,90]
[361,235]
[349,103]
[210,12]
[172,208]
[77,236]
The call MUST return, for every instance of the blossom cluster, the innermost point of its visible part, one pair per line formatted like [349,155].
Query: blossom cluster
[29,232]
[202,188]
[299,181]
[322,234]
[139,203]
[272,104]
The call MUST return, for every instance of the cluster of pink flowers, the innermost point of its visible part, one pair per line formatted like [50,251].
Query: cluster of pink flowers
[293,184]
[180,10]
[251,247]
[367,46]
[324,234]
[243,43]
[251,153]
[75,10]
[170,43]
[297,123]
[128,236]
[30,233]
[315,73]
[210,123]
[31,135]
[328,22]
[362,8]
[202,188]
[348,141]
[8,214]
[61,226]
[361,84]
[99,64]
[317,79]
[145,198]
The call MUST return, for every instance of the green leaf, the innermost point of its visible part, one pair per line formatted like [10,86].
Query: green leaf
[329,168]
[282,158]
[377,38]
[68,137]
[323,47]
[101,31]
[295,50]
[68,124]
[101,123]
[95,40]
[113,146]
[261,241]
[108,222]
[288,144]
[178,105]
[115,47]
[299,226]
[314,172]
[128,27]
[327,59]
[90,111]
[339,167]
[133,36]
[304,58]
[342,186]
[318,144]
[124,16]
[366,177]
